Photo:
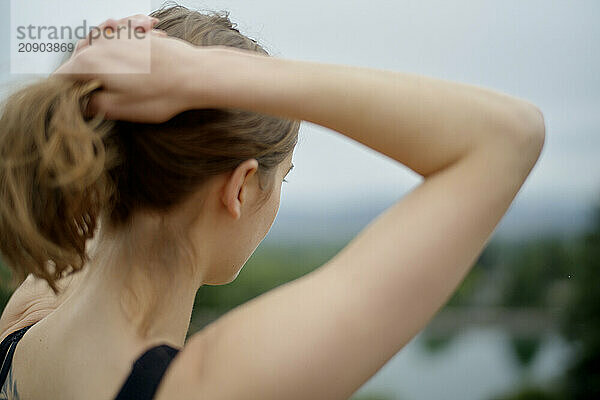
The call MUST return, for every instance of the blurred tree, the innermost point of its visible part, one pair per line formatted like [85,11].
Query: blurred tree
[374,396]
[581,322]
[530,270]
[435,344]
[530,393]
[525,349]
[491,255]
[463,295]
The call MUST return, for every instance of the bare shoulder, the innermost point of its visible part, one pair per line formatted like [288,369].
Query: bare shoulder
[182,379]
[31,302]
[259,349]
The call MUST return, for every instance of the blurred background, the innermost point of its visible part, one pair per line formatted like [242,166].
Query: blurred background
[525,323]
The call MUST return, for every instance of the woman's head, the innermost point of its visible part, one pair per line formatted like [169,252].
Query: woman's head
[61,173]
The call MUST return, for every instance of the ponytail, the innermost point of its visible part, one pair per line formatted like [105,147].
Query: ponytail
[53,180]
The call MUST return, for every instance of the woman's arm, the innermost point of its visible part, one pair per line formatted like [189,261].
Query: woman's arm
[424,123]
[324,335]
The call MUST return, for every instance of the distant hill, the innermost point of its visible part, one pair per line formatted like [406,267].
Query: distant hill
[523,220]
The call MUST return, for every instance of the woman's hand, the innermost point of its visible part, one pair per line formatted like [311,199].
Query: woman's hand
[142,22]
[145,77]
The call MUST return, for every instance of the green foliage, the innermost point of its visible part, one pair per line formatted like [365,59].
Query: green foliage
[580,319]
[374,396]
[581,322]
[531,268]
[530,393]
[468,287]
[493,253]
[525,349]
[435,344]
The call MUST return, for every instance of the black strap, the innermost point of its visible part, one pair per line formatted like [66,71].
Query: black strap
[7,350]
[147,373]
[142,382]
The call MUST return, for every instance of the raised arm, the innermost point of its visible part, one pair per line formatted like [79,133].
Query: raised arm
[424,123]
[324,335]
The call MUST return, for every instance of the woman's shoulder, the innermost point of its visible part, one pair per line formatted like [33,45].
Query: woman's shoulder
[32,301]
[183,378]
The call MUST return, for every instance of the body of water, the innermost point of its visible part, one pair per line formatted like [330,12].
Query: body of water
[476,365]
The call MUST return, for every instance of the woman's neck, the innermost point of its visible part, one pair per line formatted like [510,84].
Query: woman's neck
[119,285]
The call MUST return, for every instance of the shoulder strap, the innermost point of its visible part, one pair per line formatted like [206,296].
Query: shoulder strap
[7,350]
[146,373]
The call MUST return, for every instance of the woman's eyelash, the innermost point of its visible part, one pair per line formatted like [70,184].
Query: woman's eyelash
[285,180]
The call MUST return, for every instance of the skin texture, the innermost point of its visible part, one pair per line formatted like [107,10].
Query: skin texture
[325,334]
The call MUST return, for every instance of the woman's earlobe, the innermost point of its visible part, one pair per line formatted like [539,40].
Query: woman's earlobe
[234,193]
[235,204]
[231,197]
[237,210]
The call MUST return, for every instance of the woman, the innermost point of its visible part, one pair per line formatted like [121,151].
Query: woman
[185,185]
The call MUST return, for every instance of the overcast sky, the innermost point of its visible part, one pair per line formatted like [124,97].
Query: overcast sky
[544,51]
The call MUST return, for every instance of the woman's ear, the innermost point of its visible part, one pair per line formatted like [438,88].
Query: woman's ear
[237,187]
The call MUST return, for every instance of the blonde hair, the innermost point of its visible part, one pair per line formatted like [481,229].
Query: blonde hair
[60,171]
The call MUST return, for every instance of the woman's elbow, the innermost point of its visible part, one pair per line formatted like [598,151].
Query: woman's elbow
[529,131]
[536,128]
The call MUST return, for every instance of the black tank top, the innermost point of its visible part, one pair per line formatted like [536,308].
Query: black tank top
[141,384]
